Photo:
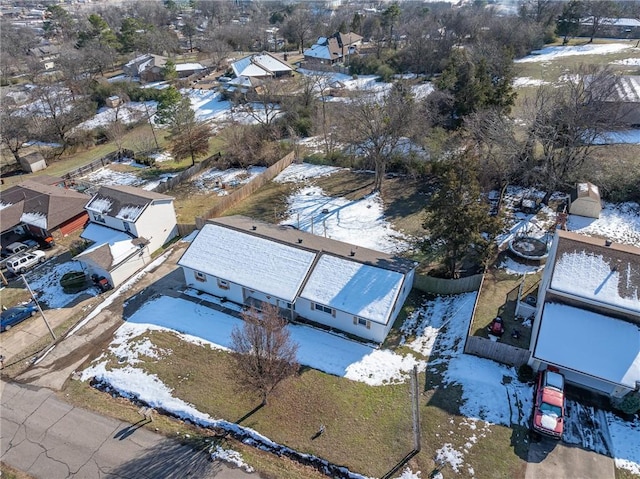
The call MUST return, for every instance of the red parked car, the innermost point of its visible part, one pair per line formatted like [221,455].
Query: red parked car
[548,412]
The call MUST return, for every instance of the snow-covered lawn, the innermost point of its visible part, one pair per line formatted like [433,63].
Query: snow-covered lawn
[552,53]
[129,112]
[435,332]
[45,281]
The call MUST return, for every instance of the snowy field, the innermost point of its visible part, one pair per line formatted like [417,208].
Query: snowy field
[551,53]
[435,331]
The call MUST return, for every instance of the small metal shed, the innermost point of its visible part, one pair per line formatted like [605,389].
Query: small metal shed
[585,200]
[33,162]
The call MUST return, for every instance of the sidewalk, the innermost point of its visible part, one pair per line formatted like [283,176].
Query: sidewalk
[48,438]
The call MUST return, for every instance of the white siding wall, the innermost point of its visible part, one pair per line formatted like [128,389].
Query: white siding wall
[157,223]
[342,321]
[127,269]
[211,286]
[107,221]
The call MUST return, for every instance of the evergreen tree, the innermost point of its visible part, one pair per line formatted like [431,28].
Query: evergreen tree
[458,222]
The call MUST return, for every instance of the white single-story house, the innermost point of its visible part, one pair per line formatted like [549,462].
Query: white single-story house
[310,278]
[585,200]
[588,319]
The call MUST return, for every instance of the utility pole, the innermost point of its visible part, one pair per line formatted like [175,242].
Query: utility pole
[38,305]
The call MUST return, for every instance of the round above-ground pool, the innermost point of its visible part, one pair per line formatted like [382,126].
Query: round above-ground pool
[529,249]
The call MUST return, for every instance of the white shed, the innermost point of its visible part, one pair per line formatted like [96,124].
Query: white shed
[585,200]
[33,162]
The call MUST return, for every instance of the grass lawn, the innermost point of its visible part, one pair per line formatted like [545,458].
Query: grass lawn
[498,298]
[368,429]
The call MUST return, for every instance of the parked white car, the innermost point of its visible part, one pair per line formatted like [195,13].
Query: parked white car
[23,262]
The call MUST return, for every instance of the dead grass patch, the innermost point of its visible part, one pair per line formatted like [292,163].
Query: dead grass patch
[498,298]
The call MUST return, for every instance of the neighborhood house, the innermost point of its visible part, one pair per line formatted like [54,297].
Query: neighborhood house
[41,207]
[310,278]
[127,224]
[588,321]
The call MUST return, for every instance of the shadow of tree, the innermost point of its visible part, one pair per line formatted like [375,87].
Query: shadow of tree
[171,459]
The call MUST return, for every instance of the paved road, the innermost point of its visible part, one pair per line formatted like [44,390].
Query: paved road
[549,459]
[48,438]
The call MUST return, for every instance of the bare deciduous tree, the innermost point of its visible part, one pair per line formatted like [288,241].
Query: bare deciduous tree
[376,126]
[564,124]
[263,351]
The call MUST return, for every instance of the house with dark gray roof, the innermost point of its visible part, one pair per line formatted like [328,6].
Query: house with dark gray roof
[42,207]
[127,224]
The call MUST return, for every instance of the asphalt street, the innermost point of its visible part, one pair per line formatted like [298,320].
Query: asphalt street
[50,439]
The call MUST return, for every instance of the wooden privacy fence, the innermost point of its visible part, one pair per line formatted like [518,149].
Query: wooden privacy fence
[190,172]
[503,353]
[94,165]
[429,284]
[246,190]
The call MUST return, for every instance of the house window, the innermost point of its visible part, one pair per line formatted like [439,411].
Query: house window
[324,309]
[222,284]
[98,218]
[200,276]
[362,322]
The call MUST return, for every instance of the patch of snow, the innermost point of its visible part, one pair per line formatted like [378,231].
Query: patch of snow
[108,177]
[126,114]
[628,62]
[447,454]
[513,267]
[35,219]
[359,222]
[230,456]
[631,137]
[301,172]
[551,53]
[527,81]
[45,283]
[625,442]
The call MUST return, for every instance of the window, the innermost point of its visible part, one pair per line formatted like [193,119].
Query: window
[324,309]
[99,218]
[200,276]
[222,284]
[127,226]
[361,322]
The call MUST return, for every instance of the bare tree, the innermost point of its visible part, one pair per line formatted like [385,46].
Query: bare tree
[15,129]
[494,136]
[376,126]
[299,26]
[262,102]
[602,12]
[564,124]
[263,351]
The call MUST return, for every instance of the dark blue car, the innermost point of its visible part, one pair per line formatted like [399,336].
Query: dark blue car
[15,315]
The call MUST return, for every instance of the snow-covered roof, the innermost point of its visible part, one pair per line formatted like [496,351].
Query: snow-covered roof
[110,248]
[123,202]
[590,343]
[256,263]
[587,268]
[188,66]
[34,219]
[259,65]
[318,51]
[354,288]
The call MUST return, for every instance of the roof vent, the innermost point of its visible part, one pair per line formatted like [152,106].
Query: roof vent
[299,240]
[352,253]
[254,227]
[607,243]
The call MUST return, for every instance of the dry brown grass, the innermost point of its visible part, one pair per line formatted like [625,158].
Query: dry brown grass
[368,429]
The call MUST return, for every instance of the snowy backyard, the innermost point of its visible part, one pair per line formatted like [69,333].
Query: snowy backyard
[432,337]
[436,330]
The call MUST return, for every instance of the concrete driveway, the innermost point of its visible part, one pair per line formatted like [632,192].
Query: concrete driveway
[549,459]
